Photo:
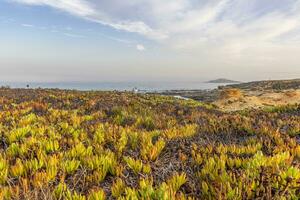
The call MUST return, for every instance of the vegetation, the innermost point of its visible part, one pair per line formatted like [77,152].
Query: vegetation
[268,85]
[230,93]
[72,145]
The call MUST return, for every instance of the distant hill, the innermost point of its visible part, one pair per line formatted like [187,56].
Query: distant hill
[222,80]
[268,85]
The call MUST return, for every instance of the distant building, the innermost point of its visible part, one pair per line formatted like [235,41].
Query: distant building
[135,90]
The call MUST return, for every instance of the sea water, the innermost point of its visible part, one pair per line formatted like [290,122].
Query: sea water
[119,86]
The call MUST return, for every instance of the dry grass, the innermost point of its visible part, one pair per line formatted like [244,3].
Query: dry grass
[232,100]
[291,93]
[230,93]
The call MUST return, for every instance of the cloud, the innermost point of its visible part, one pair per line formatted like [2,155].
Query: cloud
[140,47]
[27,25]
[73,35]
[232,29]
[75,7]
[90,12]
[124,41]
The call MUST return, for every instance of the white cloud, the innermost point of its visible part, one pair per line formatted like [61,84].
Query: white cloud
[235,28]
[73,35]
[27,25]
[76,7]
[118,39]
[90,12]
[140,47]
[133,27]
[197,18]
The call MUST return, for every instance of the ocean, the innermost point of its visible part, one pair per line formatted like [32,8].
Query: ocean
[119,86]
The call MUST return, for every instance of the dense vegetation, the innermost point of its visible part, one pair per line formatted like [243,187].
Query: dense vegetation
[109,145]
[268,85]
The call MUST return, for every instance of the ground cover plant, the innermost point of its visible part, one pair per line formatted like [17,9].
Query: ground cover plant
[57,144]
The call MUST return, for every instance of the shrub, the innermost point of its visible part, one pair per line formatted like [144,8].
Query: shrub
[230,93]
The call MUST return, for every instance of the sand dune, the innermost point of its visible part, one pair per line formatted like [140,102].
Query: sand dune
[257,99]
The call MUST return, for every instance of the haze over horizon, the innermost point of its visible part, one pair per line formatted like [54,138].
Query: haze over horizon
[148,40]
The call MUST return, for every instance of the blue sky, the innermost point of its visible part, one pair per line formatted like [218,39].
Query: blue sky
[148,40]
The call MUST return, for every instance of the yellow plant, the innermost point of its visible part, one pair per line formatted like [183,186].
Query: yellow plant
[197,158]
[146,123]
[99,136]
[156,149]
[135,165]
[133,139]
[34,165]
[18,134]
[122,142]
[110,162]
[76,120]
[80,151]
[3,170]
[14,150]
[234,162]
[62,144]
[97,195]
[60,191]
[183,131]
[70,166]
[74,196]
[131,194]
[151,151]
[51,146]
[146,190]
[146,168]
[297,151]
[40,179]
[165,192]
[291,175]
[18,169]
[28,120]
[52,166]
[205,188]
[118,188]
[119,169]
[5,193]
[177,181]
[101,165]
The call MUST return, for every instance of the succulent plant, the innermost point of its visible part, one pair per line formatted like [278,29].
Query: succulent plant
[98,145]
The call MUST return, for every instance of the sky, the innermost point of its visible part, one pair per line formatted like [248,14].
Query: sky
[148,40]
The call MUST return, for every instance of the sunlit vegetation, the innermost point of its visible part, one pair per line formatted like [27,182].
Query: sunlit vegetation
[230,93]
[110,145]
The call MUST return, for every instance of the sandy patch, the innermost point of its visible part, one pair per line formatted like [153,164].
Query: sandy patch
[258,99]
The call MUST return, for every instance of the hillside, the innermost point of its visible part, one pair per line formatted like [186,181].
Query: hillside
[260,94]
[268,85]
[108,145]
